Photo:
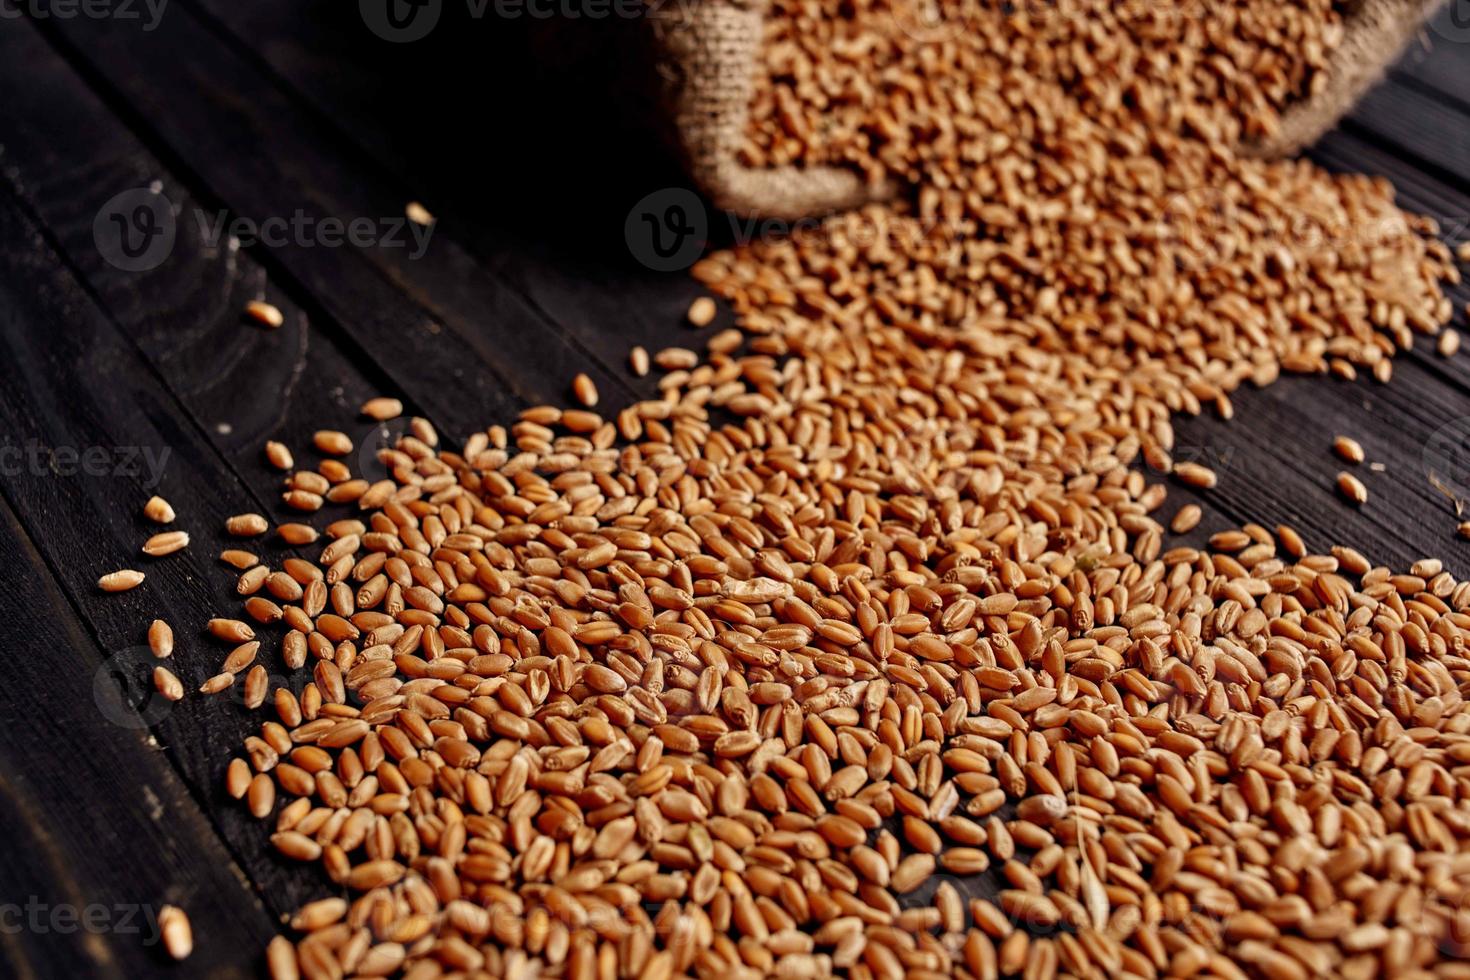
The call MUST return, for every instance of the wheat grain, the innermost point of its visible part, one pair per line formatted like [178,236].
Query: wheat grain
[1352,488]
[158,510]
[279,456]
[176,932]
[382,409]
[166,543]
[120,581]
[264,314]
[1348,449]
[701,312]
[246,525]
[584,390]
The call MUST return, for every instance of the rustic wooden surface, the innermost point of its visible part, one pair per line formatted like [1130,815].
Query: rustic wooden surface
[111,802]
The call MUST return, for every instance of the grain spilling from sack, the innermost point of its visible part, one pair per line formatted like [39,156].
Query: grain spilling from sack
[760,676]
[892,87]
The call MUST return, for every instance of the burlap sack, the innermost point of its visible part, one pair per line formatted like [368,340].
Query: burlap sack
[705,52]
[1374,32]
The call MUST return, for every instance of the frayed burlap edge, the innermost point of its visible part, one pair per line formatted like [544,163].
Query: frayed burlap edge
[1374,32]
[707,52]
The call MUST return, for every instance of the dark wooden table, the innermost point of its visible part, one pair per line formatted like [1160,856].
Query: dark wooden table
[131,370]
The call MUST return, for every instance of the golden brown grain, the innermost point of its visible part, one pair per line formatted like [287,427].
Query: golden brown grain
[176,932]
[297,534]
[1187,519]
[584,390]
[166,543]
[246,525]
[167,684]
[120,581]
[638,361]
[1352,488]
[1195,475]
[160,639]
[382,409]
[876,591]
[238,559]
[158,510]
[264,314]
[702,312]
[331,442]
[279,456]
[1348,449]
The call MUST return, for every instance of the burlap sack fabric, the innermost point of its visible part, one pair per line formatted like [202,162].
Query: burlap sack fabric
[1374,32]
[706,53]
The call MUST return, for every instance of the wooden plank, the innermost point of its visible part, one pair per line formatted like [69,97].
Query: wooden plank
[1429,133]
[575,165]
[83,882]
[93,433]
[436,316]
[1440,58]
[242,384]
[1273,459]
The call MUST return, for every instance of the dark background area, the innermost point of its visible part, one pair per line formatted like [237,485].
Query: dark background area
[527,141]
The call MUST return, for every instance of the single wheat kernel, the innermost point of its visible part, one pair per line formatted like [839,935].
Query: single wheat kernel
[332,442]
[1195,475]
[638,361]
[246,525]
[177,934]
[1348,449]
[297,534]
[158,510]
[1187,519]
[702,312]
[279,456]
[167,684]
[160,638]
[1352,488]
[120,581]
[584,390]
[166,543]
[382,409]
[265,314]
[237,559]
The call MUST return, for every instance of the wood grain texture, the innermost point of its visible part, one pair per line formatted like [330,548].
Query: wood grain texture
[1437,57]
[259,109]
[97,434]
[546,214]
[99,830]
[242,384]
[437,317]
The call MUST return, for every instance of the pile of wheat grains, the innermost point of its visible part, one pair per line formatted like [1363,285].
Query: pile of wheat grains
[870,613]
